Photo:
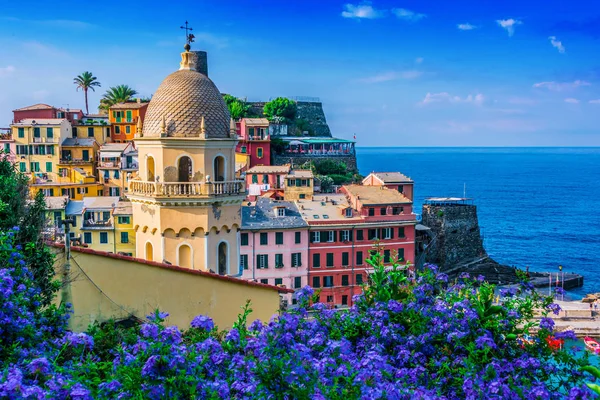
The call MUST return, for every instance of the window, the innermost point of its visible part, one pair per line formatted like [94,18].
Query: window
[50,150]
[330,298]
[298,237]
[373,234]
[387,233]
[254,178]
[401,188]
[329,260]
[48,166]
[251,133]
[124,237]
[359,258]
[345,281]
[383,211]
[397,210]
[371,212]
[315,237]
[124,220]
[296,259]
[360,235]
[74,134]
[265,281]
[262,261]
[116,175]
[344,299]
[278,237]
[244,239]
[90,132]
[21,132]
[127,129]
[105,215]
[278,281]
[244,149]
[34,166]
[87,237]
[278,260]
[107,132]
[328,281]
[331,236]
[243,261]
[348,212]
[291,182]
[316,282]
[281,211]
[117,129]
[401,254]
[128,115]
[316,260]
[345,259]
[36,132]
[401,232]
[359,279]
[6,148]
[265,179]
[85,154]
[297,282]
[49,133]
[302,196]
[259,152]
[103,237]
[345,236]
[264,238]
[386,256]
[48,192]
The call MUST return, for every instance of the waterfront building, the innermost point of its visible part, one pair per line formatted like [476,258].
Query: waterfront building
[345,227]
[93,126]
[118,163]
[274,244]
[186,201]
[124,118]
[300,185]
[45,111]
[78,153]
[266,180]
[391,180]
[7,144]
[254,143]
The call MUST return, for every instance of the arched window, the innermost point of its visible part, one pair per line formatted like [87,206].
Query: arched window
[184,169]
[150,169]
[219,169]
[149,252]
[222,258]
[185,256]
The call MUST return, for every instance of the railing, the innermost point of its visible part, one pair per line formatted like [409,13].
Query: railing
[107,164]
[76,161]
[185,189]
[37,140]
[131,166]
[98,224]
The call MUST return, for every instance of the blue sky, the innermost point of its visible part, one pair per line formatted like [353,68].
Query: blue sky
[395,73]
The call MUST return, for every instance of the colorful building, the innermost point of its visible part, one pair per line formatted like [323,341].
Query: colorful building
[7,144]
[118,164]
[391,180]
[45,111]
[96,223]
[186,201]
[93,126]
[254,141]
[125,234]
[266,180]
[123,119]
[78,153]
[55,213]
[74,183]
[299,185]
[274,244]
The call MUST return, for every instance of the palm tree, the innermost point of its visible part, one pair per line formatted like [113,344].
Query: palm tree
[86,81]
[115,95]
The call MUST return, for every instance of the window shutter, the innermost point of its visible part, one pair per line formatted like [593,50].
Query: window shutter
[391,233]
[335,236]
[258,261]
[350,236]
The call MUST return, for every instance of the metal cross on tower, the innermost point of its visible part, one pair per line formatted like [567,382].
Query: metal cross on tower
[188,36]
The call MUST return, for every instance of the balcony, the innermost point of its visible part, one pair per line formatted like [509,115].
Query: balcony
[76,161]
[186,189]
[107,164]
[91,224]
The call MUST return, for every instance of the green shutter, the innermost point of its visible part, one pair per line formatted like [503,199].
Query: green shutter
[23,167]
[21,132]
[48,166]
[128,115]
[50,132]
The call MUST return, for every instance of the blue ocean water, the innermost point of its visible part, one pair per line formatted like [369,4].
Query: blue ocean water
[536,206]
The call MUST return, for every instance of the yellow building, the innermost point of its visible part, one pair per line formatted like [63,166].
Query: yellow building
[55,213]
[73,182]
[186,202]
[94,126]
[299,185]
[118,164]
[125,234]
[78,153]
[94,224]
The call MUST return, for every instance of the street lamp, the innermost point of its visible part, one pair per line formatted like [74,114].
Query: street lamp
[562,281]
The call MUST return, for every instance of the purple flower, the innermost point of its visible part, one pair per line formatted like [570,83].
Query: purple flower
[158,316]
[485,340]
[203,322]
[79,392]
[555,308]
[566,335]
[39,365]
[149,331]
[547,323]
[233,336]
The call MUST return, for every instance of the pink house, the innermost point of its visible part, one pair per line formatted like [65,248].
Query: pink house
[254,141]
[7,144]
[391,180]
[266,178]
[274,244]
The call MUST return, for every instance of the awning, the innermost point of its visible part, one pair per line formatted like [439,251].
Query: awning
[420,227]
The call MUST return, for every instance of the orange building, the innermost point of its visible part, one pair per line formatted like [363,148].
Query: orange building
[123,118]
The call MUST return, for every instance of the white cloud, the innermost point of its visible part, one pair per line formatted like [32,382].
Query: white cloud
[509,25]
[556,43]
[466,27]
[408,15]
[571,100]
[597,101]
[362,10]
[419,60]
[445,97]
[560,86]
[392,76]
[6,71]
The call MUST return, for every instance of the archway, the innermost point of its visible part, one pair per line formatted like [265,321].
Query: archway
[185,256]
[150,169]
[149,252]
[184,169]
[219,169]
[222,257]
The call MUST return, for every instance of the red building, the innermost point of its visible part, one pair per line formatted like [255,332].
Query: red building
[391,180]
[45,111]
[254,141]
[343,230]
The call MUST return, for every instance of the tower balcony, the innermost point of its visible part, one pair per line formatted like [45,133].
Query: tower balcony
[186,189]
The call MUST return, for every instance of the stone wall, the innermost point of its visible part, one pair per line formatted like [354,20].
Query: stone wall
[309,111]
[286,159]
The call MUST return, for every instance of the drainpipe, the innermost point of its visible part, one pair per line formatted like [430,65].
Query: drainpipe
[253,255]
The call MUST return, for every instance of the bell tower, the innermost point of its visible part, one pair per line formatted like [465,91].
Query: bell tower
[186,201]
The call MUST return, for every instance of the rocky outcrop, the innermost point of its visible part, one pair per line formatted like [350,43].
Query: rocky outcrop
[310,118]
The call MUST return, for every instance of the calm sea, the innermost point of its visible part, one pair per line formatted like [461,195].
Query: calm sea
[537,206]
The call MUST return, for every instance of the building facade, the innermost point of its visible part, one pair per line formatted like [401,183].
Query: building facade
[118,163]
[266,179]
[124,118]
[254,141]
[45,111]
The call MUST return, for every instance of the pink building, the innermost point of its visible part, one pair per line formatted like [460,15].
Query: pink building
[254,141]
[266,179]
[391,180]
[274,244]
[7,144]
[45,111]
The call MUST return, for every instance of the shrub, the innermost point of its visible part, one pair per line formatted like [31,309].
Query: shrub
[280,109]
[238,108]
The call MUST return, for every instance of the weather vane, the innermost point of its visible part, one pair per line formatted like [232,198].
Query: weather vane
[189,37]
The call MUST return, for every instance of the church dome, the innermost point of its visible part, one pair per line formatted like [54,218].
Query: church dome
[181,100]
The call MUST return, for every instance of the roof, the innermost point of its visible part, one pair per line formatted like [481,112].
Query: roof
[74,208]
[56,203]
[100,202]
[263,215]
[326,208]
[392,177]
[101,116]
[300,173]
[132,105]
[256,121]
[314,140]
[40,121]
[39,106]
[123,208]
[376,194]
[269,169]
[73,142]
[114,147]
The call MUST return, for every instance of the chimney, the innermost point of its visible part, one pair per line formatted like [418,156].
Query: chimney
[201,62]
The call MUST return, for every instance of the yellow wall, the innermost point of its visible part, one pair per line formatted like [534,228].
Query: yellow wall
[78,192]
[100,132]
[292,193]
[114,287]
[122,226]
[60,131]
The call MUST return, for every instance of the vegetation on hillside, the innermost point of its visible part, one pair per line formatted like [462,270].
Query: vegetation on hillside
[280,109]
[332,172]
[238,108]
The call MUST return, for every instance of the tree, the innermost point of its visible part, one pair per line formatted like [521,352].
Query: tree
[238,108]
[280,109]
[86,81]
[115,95]
[18,209]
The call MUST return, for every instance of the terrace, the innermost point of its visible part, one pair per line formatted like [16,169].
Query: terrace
[186,189]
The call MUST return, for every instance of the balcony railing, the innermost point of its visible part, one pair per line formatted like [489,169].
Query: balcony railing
[185,189]
[90,223]
[107,164]
[76,161]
